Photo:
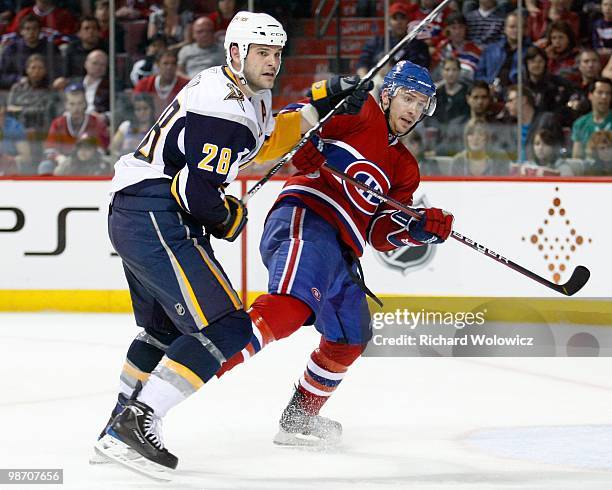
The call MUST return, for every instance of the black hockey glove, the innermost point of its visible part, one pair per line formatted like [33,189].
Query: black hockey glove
[235,221]
[324,95]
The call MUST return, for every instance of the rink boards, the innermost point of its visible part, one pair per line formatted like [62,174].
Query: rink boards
[56,254]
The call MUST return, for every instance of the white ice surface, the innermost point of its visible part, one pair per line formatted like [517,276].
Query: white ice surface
[430,423]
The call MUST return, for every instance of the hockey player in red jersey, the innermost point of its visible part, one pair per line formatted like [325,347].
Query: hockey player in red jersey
[318,227]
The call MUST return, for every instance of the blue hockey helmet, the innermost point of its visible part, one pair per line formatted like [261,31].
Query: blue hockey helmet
[411,76]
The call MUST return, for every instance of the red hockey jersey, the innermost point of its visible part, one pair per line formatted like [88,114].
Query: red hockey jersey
[359,146]
[63,136]
[56,20]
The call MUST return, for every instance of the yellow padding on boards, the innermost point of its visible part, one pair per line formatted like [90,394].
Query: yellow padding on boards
[590,311]
[552,311]
[184,372]
[533,310]
[80,300]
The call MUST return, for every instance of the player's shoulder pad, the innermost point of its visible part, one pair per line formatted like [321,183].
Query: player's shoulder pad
[213,93]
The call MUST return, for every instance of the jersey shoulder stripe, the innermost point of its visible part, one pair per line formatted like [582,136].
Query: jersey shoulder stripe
[210,127]
[213,93]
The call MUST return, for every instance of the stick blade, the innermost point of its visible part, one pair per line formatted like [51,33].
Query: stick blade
[579,278]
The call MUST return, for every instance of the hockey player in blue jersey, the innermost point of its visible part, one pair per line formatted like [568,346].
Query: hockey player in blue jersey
[320,224]
[164,194]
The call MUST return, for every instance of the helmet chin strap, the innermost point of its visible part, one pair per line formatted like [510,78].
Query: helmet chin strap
[248,91]
[244,84]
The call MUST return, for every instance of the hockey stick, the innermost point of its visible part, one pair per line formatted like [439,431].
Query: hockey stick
[578,279]
[373,71]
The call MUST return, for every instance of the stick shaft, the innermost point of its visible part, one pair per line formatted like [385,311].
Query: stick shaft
[373,71]
[406,39]
[457,236]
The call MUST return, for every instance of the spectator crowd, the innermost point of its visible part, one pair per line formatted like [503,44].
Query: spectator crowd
[55,90]
[557,123]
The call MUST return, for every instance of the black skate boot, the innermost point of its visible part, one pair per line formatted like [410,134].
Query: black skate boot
[299,428]
[134,440]
[97,457]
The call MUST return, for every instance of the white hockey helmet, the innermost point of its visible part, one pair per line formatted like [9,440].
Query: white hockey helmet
[248,28]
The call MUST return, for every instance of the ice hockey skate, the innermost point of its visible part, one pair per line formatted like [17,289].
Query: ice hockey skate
[298,428]
[97,457]
[134,440]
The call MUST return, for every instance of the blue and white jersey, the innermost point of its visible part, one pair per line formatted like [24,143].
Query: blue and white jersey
[200,142]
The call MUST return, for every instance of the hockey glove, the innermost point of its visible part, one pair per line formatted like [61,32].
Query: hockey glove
[235,221]
[309,158]
[434,227]
[325,94]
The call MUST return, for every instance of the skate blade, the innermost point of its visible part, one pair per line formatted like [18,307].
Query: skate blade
[98,457]
[289,439]
[120,452]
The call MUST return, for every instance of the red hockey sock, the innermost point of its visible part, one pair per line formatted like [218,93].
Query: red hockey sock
[324,372]
[274,317]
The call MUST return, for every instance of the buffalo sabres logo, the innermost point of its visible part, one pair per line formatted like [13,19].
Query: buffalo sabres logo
[406,259]
[235,94]
[370,175]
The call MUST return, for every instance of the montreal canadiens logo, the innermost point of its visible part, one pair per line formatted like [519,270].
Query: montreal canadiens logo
[370,175]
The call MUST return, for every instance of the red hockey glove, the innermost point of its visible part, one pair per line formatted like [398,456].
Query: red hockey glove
[434,227]
[309,158]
